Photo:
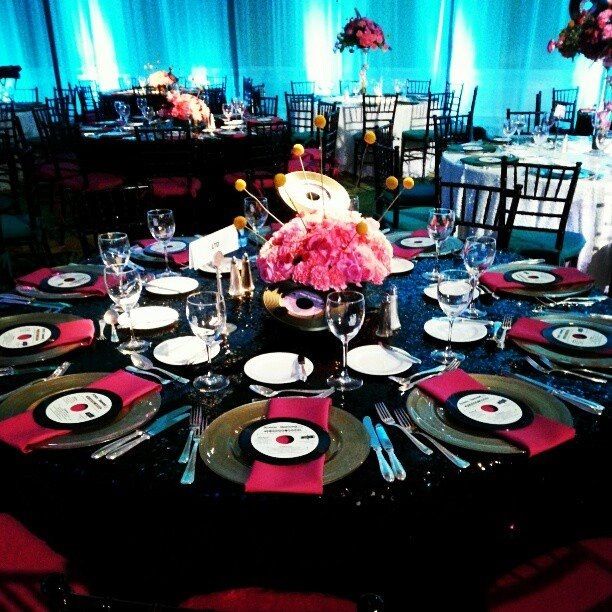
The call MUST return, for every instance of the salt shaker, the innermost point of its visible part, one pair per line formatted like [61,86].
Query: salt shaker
[384,323]
[394,314]
[235,285]
[247,276]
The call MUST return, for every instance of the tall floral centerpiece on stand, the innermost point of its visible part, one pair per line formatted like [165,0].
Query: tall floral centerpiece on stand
[162,80]
[363,34]
[187,108]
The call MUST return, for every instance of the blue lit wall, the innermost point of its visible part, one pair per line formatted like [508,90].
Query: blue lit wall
[498,44]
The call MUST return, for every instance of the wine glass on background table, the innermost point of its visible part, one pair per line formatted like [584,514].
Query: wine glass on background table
[114,249]
[478,255]
[508,128]
[162,227]
[227,110]
[345,313]
[440,226]
[454,295]
[519,123]
[120,109]
[255,213]
[206,317]
[141,103]
[149,114]
[124,286]
[540,138]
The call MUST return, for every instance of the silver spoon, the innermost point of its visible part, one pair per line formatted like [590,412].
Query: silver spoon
[267,392]
[111,318]
[144,363]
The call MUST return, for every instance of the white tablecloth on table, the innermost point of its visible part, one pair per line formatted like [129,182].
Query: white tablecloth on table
[591,210]
[408,115]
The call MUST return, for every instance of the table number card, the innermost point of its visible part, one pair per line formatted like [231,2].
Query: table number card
[202,250]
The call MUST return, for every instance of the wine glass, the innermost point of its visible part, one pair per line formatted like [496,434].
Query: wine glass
[478,255]
[454,295]
[354,203]
[548,121]
[206,317]
[439,227]
[141,103]
[519,122]
[124,286]
[149,114]
[508,128]
[119,109]
[255,212]
[540,137]
[602,139]
[161,225]
[227,110]
[397,86]
[114,249]
[239,108]
[345,312]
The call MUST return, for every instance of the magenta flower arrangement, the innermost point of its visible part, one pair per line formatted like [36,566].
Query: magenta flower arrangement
[361,33]
[326,253]
[186,106]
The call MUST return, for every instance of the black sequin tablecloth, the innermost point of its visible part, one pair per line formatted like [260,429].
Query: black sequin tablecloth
[436,538]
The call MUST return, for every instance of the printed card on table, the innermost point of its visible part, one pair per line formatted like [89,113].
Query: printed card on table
[202,250]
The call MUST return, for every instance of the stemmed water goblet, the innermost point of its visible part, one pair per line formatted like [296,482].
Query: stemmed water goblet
[227,110]
[124,286]
[114,249]
[162,226]
[519,123]
[508,128]
[255,212]
[454,295]
[206,317]
[478,255]
[141,103]
[440,226]
[540,137]
[345,313]
[149,114]
[239,108]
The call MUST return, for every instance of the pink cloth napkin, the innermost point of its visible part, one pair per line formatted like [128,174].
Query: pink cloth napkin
[23,432]
[180,259]
[304,478]
[530,330]
[403,252]
[540,435]
[35,278]
[569,276]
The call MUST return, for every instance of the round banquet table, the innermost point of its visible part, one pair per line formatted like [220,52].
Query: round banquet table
[134,531]
[411,113]
[591,210]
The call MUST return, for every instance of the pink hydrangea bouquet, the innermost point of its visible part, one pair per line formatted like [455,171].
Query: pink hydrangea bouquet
[185,106]
[327,251]
[361,33]
[161,78]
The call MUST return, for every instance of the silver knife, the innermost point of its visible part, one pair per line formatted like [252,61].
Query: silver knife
[579,402]
[10,371]
[399,351]
[398,468]
[140,435]
[385,468]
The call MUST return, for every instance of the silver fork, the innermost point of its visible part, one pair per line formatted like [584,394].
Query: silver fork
[547,362]
[549,368]
[194,416]
[453,365]
[386,417]
[135,370]
[404,420]
[506,325]
[406,380]
[189,474]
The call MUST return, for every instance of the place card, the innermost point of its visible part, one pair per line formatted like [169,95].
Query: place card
[202,250]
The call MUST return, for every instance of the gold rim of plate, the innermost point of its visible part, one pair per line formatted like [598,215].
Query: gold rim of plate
[129,419]
[43,355]
[219,448]
[429,416]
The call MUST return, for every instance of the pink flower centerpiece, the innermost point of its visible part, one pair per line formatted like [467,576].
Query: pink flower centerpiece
[324,251]
[361,33]
[187,107]
[162,79]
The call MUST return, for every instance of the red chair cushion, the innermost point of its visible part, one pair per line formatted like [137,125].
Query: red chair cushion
[260,600]
[263,180]
[175,186]
[47,171]
[96,181]
[569,579]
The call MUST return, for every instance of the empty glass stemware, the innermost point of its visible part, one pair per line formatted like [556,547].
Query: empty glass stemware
[141,103]
[206,317]
[255,213]
[149,114]
[227,110]
[508,128]
[478,255]
[519,122]
[345,313]
[454,294]
[124,286]
[540,137]
[114,249]
[162,226]
[439,227]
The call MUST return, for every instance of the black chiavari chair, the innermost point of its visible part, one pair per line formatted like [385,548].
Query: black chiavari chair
[268,146]
[214,97]
[89,109]
[323,151]
[564,105]
[265,106]
[300,116]
[455,107]
[325,108]
[538,220]
[303,87]
[350,86]
[416,87]
[66,101]
[26,94]
[532,117]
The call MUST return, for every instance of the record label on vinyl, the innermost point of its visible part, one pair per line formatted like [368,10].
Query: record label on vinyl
[284,441]
[302,303]
[24,337]
[68,280]
[417,242]
[576,337]
[172,246]
[532,277]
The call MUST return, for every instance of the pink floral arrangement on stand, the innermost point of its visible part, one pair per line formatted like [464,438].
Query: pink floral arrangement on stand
[161,79]
[187,107]
[361,33]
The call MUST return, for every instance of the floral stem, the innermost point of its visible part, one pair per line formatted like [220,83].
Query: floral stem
[253,231]
[321,156]
[303,169]
[390,205]
[361,164]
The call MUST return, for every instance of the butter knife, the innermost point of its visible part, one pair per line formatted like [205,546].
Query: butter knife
[396,466]
[385,468]
[570,398]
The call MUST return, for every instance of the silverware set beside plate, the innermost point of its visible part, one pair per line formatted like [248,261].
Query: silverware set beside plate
[58,371]
[12,299]
[549,303]
[546,366]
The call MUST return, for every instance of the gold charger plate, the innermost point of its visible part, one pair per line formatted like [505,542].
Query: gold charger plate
[126,421]
[558,293]
[43,355]
[34,292]
[272,303]
[219,448]
[430,417]
[565,358]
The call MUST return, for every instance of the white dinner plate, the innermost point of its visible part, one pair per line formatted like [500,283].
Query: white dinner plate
[172,285]
[463,330]
[184,350]
[472,148]
[502,139]
[376,360]
[150,317]
[400,265]
[490,159]
[431,291]
[417,242]
[275,368]
[225,266]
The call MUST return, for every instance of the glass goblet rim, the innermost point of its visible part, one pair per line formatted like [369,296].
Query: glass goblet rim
[335,297]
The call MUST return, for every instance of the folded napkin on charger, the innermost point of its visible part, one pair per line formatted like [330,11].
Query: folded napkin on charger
[298,478]
[180,258]
[81,331]
[409,253]
[568,276]
[23,432]
[538,436]
[34,279]
[532,330]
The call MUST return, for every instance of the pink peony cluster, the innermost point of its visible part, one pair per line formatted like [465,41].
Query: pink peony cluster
[161,78]
[186,106]
[326,253]
[361,33]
